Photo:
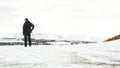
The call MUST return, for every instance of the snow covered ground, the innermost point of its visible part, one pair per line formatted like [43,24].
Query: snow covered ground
[101,55]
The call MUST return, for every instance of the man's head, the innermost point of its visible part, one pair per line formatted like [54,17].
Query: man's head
[26,19]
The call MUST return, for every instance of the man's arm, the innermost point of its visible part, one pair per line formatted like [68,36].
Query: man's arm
[32,27]
[23,28]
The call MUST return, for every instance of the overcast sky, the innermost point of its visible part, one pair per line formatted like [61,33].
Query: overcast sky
[97,18]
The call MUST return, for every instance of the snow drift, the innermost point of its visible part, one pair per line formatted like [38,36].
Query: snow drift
[102,55]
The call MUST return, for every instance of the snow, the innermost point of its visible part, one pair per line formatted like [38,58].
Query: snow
[100,55]
[47,36]
[82,37]
[13,35]
[53,37]
[60,43]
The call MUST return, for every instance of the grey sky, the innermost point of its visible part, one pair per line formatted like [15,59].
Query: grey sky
[99,18]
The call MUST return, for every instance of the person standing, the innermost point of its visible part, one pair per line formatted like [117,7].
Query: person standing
[27,30]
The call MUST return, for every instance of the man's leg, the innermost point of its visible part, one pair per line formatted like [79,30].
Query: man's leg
[29,38]
[25,40]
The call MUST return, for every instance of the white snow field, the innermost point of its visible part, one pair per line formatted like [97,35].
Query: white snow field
[100,55]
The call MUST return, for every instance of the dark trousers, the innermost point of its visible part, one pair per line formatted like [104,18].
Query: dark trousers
[27,38]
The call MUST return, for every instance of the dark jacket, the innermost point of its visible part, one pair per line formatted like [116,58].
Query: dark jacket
[27,27]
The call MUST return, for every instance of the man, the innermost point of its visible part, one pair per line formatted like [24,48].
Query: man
[27,29]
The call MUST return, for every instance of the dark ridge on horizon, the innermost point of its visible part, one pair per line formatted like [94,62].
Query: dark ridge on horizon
[113,38]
